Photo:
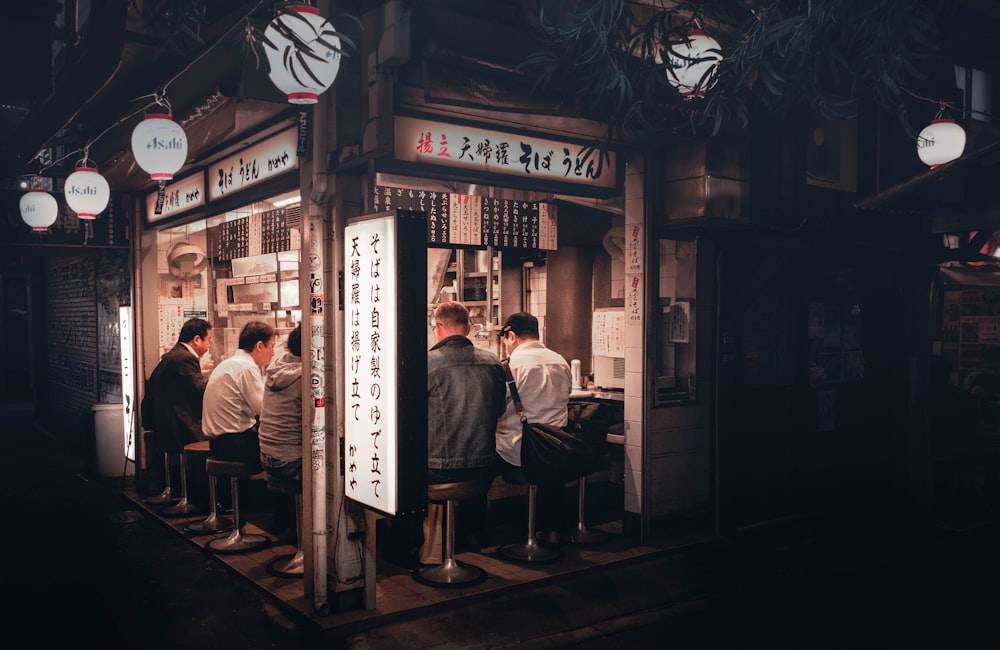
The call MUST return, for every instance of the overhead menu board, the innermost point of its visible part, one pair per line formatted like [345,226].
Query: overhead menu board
[257,234]
[474,220]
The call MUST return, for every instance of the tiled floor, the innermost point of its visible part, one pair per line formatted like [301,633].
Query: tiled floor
[397,594]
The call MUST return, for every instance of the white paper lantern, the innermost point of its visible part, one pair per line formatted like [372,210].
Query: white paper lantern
[39,210]
[692,66]
[159,145]
[941,141]
[302,72]
[87,192]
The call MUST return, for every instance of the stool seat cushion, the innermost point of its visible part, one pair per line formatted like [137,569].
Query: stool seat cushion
[217,467]
[459,491]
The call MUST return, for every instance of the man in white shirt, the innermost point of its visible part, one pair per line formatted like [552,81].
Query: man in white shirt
[234,395]
[543,379]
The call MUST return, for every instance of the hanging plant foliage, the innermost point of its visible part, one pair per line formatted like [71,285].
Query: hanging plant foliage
[819,54]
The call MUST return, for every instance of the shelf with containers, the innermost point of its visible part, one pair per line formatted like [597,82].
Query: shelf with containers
[472,277]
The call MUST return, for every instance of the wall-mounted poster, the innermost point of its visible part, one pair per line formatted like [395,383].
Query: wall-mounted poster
[680,322]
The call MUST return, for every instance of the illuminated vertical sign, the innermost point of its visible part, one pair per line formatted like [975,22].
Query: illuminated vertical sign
[385,276]
[369,355]
[128,388]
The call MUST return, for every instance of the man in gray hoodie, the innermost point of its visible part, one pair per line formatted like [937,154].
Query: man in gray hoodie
[280,429]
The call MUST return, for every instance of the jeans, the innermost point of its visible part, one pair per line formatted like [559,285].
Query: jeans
[285,470]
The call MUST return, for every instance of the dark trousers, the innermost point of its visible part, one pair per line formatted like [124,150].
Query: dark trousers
[242,447]
[549,501]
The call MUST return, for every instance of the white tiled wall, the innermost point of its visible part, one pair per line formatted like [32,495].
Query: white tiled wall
[634,357]
[537,279]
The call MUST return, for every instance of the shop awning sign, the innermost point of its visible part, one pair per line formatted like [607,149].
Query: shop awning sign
[479,149]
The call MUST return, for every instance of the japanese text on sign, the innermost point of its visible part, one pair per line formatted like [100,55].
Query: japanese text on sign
[463,219]
[456,145]
[370,425]
[257,163]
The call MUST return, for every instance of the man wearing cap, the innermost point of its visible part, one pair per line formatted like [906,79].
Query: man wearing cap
[543,379]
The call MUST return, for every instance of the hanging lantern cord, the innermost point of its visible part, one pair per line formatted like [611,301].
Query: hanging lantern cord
[160,98]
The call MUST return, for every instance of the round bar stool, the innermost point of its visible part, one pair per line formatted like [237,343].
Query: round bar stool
[236,541]
[167,496]
[581,534]
[451,572]
[186,507]
[530,551]
[213,523]
[291,565]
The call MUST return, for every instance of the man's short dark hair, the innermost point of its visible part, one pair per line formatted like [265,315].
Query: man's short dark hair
[522,324]
[255,331]
[194,327]
[452,314]
[294,343]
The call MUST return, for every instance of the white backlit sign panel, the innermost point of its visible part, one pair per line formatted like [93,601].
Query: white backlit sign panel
[255,164]
[178,196]
[128,372]
[485,150]
[370,382]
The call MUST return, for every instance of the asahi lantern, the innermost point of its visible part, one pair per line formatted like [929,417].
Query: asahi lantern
[304,69]
[692,64]
[940,141]
[87,192]
[39,209]
[159,145]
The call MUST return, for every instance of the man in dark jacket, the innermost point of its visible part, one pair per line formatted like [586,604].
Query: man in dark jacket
[175,388]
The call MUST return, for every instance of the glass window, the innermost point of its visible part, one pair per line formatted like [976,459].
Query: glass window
[675,370]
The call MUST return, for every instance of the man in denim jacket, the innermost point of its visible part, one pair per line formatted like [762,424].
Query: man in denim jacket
[466,394]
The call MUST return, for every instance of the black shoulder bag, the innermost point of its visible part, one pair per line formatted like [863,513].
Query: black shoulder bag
[549,454]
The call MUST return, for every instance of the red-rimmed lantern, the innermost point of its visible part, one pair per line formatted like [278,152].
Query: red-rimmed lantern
[159,146]
[87,192]
[305,68]
[941,141]
[39,209]
[692,65]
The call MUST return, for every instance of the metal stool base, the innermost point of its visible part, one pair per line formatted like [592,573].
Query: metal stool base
[530,551]
[163,497]
[183,508]
[288,566]
[450,573]
[237,542]
[211,524]
[581,534]
[587,536]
